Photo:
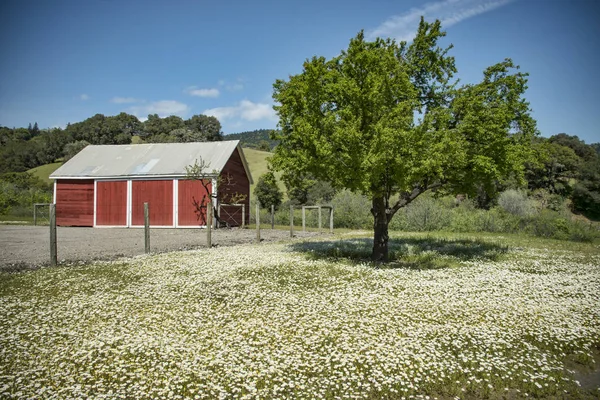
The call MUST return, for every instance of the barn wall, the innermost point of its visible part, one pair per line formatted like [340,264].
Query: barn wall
[74,202]
[239,183]
[159,196]
[189,192]
[111,203]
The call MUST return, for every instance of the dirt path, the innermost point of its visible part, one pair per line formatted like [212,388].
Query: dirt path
[28,246]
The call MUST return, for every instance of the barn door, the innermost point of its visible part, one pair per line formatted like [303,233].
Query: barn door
[159,196]
[111,203]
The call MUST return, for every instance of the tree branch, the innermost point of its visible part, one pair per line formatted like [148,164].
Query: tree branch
[407,197]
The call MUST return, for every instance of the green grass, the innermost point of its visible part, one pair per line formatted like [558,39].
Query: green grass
[258,164]
[44,171]
[468,316]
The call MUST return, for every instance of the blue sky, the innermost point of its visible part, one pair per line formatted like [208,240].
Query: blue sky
[64,61]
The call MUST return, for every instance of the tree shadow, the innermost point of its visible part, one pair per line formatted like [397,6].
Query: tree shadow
[424,253]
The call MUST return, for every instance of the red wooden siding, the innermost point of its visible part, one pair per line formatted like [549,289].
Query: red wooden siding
[188,192]
[74,202]
[111,203]
[158,195]
[240,183]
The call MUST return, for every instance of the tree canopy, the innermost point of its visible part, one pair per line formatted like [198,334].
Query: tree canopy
[267,192]
[387,120]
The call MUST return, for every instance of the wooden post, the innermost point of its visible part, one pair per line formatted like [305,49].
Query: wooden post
[303,219]
[53,255]
[209,212]
[272,216]
[243,215]
[291,221]
[34,215]
[319,219]
[331,219]
[218,213]
[257,222]
[146,228]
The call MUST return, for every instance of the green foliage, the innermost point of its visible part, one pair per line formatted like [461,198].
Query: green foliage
[258,139]
[71,149]
[586,199]
[427,214]
[585,152]
[173,129]
[350,121]
[18,155]
[205,128]
[100,129]
[19,191]
[351,210]
[267,192]
[568,167]
[516,202]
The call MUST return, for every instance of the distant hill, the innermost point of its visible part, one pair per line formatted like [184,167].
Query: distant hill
[258,139]
[44,171]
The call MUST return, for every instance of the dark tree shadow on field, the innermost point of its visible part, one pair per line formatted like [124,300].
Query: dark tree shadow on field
[411,253]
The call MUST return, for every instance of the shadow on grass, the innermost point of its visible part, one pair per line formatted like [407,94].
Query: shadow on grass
[410,253]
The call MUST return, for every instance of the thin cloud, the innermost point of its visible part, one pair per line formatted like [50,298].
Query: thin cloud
[200,92]
[163,108]
[245,110]
[449,12]
[84,97]
[125,100]
[232,86]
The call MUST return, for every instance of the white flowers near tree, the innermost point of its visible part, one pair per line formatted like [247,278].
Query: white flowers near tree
[266,321]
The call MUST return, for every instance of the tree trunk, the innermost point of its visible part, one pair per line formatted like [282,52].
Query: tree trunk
[380,228]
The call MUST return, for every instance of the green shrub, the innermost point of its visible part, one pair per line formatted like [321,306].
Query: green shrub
[427,214]
[351,210]
[267,192]
[548,224]
[580,232]
[515,202]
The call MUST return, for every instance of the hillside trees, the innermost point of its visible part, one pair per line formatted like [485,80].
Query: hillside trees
[173,129]
[267,192]
[351,121]
[100,129]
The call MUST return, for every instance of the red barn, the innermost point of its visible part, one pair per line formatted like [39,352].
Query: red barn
[107,186]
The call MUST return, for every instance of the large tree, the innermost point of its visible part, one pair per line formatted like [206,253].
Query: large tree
[387,120]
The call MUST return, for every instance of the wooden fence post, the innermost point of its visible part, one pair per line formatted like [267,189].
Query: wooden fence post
[146,228]
[243,215]
[257,222]
[209,212]
[34,215]
[272,216]
[53,255]
[319,219]
[331,219]
[291,221]
[303,219]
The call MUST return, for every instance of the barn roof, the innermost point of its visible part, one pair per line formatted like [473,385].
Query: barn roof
[147,160]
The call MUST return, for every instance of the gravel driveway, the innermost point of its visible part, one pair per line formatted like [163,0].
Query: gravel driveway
[24,247]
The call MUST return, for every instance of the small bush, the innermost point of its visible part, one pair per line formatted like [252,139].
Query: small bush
[427,214]
[516,203]
[351,210]
[548,224]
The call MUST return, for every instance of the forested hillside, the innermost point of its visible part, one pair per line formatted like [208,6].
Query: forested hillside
[259,139]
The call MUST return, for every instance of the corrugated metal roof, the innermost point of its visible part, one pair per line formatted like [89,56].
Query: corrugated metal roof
[146,160]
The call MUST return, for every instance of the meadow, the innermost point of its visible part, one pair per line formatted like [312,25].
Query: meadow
[452,316]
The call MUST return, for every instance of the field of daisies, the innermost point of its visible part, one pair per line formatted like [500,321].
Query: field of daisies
[448,318]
